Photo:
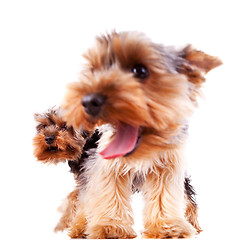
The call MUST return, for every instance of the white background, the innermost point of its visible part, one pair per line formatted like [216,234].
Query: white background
[41,44]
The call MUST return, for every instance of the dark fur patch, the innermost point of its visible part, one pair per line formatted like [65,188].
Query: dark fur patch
[74,166]
[189,190]
[137,183]
[91,143]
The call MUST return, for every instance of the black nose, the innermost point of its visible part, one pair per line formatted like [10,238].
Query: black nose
[93,103]
[49,139]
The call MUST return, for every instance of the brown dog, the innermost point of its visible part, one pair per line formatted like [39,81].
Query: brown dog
[140,95]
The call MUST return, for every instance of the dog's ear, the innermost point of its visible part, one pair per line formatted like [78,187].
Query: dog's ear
[199,60]
[195,64]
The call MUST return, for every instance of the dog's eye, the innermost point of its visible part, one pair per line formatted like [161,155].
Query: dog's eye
[140,71]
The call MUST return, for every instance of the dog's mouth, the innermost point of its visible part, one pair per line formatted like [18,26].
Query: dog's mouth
[125,142]
[52,149]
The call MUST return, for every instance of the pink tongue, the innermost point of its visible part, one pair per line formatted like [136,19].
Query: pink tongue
[123,143]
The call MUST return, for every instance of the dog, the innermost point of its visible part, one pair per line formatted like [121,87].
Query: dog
[139,95]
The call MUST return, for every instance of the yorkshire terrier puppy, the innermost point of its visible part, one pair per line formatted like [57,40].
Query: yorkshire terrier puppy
[140,95]
[56,142]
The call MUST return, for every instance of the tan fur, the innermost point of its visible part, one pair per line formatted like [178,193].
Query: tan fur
[161,106]
[68,210]
[163,192]
[78,226]
[191,214]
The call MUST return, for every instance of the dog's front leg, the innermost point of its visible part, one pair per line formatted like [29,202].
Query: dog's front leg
[163,193]
[107,203]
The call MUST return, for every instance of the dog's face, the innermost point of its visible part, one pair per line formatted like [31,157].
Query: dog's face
[144,90]
[55,142]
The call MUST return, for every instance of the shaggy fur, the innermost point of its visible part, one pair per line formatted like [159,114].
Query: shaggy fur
[144,93]
[132,84]
[66,145]
[55,141]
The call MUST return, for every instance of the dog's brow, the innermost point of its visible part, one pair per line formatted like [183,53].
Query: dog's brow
[39,127]
[50,119]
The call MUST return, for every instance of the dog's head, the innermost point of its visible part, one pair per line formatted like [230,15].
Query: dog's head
[55,141]
[146,91]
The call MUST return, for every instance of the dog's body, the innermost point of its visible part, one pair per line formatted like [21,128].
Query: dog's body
[136,179]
